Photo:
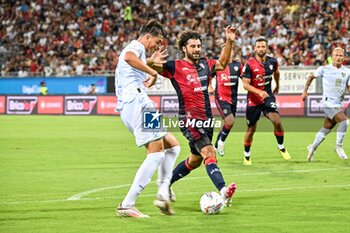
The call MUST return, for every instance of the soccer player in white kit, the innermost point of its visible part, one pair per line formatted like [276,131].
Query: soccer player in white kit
[162,147]
[336,79]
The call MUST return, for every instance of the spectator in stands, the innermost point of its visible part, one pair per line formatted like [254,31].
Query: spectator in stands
[31,31]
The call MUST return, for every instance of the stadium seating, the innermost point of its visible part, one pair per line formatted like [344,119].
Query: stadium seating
[64,37]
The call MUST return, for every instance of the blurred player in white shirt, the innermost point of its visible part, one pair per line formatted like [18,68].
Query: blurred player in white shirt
[133,75]
[336,79]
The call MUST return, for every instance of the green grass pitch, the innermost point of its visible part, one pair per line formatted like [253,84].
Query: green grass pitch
[46,161]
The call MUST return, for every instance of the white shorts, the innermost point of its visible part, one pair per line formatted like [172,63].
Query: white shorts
[132,117]
[331,108]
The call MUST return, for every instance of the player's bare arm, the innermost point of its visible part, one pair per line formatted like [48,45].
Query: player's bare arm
[137,63]
[276,77]
[250,88]
[210,87]
[307,85]
[224,58]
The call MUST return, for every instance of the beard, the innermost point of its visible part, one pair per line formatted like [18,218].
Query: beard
[193,56]
[261,54]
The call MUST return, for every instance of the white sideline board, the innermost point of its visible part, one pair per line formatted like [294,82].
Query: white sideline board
[292,81]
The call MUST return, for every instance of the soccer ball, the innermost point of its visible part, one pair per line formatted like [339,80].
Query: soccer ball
[211,203]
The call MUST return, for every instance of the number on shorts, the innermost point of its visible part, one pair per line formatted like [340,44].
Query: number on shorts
[273,105]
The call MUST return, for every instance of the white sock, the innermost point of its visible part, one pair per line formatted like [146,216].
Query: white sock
[246,154]
[143,177]
[223,191]
[320,136]
[280,146]
[165,170]
[341,131]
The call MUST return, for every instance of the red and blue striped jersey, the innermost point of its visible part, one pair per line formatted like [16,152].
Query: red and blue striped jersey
[191,84]
[260,75]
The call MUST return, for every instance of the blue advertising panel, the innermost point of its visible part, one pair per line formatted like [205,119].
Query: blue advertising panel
[65,85]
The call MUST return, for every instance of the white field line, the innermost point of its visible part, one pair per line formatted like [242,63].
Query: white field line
[80,196]
[187,194]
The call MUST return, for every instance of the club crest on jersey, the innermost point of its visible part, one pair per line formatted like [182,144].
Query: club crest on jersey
[235,68]
[344,74]
[202,65]
[271,67]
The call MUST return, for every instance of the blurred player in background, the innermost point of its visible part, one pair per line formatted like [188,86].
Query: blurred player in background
[335,81]
[190,77]
[92,90]
[162,147]
[43,88]
[226,98]
[257,77]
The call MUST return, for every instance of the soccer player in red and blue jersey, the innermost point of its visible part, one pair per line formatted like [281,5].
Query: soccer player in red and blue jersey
[257,76]
[190,77]
[226,99]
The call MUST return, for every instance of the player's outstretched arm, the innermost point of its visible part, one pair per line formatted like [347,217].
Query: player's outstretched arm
[137,63]
[224,58]
[307,85]
[250,88]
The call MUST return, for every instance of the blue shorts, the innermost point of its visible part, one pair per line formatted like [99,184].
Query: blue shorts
[226,108]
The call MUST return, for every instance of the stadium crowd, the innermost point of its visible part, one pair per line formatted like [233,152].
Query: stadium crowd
[66,37]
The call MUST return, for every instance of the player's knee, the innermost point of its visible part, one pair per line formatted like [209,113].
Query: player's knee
[170,141]
[210,160]
[209,155]
[277,123]
[155,146]
[208,151]
[251,130]
[194,161]
[229,121]
[229,124]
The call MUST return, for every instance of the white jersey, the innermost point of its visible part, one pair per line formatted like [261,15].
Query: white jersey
[127,78]
[334,81]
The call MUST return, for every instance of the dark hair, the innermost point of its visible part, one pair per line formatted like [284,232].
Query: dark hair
[186,36]
[154,28]
[259,39]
